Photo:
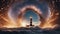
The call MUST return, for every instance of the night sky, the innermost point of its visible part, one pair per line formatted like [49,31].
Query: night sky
[13,7]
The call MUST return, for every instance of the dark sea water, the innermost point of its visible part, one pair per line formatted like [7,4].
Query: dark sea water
[35,30]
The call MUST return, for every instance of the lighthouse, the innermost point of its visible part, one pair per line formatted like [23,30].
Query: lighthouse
[30,20]
[30,25]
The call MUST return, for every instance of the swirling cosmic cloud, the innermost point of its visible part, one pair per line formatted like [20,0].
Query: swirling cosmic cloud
[15,8]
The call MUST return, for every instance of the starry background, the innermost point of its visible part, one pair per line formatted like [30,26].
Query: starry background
[15,5]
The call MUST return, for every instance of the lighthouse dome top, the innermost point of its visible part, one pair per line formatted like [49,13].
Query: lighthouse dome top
[30,16]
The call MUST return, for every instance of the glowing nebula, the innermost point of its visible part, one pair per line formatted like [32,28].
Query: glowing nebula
[24,9]
[15,16]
